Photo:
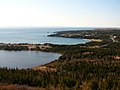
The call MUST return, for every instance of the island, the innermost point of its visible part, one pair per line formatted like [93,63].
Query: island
[94,65]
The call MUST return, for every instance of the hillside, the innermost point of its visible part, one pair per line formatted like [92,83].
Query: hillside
[91,66]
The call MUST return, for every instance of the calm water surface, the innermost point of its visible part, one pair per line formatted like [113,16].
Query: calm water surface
[28,59]
[37,35]
[25,59]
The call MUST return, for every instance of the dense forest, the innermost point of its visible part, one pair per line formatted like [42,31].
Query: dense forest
[92,75]
[90,66]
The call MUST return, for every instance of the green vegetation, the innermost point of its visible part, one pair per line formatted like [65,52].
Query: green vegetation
[12,47]
[103,34]
[96,75]
[90,66]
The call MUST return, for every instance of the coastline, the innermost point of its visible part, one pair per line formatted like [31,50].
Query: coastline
[48,47]
[93,59]
[40,47]
[31,47]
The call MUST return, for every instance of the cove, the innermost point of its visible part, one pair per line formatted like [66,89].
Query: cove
[25,59]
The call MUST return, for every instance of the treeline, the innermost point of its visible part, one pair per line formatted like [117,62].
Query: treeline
[104,50]
[13,47]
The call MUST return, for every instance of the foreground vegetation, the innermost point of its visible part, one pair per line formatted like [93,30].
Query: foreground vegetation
[92,75]
[90,66]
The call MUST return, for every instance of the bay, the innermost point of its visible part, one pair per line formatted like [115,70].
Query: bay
[37,36]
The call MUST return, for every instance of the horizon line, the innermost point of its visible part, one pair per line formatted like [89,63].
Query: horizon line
[61,27]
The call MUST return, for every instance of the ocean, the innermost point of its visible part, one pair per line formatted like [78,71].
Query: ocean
[37,36]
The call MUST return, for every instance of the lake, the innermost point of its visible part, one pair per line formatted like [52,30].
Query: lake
[25,59]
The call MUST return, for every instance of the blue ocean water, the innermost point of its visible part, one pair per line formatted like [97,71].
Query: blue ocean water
[37,35]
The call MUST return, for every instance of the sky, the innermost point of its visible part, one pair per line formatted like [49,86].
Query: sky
[59,13]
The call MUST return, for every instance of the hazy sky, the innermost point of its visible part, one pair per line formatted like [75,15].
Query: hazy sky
[36,13]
